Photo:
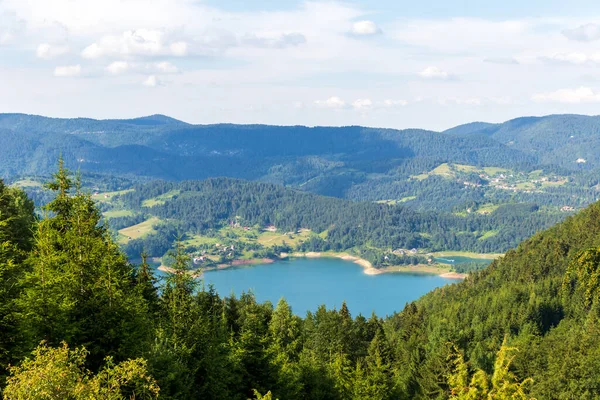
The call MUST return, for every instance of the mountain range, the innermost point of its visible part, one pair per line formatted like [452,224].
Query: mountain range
[325,160]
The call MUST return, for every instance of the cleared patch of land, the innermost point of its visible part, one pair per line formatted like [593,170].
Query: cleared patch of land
[160,200]
[107,197]
[139,230]
[277,239]
[468,254]
[117,213]
[27,183]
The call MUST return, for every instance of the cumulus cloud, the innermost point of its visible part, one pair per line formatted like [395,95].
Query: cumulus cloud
[389,103]
[141,42]
[151,81]
[47,51]
[179,49]
[571,58]
[434,73]
[583,33]
[278,42]
[67,71]
[365,28]
[570,96]
[121,67]
[332,102]
[362,104]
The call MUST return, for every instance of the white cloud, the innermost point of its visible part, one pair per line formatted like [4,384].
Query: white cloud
[332,102]
[571,58]
[47,51]
[583,33]
[362,104]
[151,81]
[67,71]
[365,28]
[121,67]
[434,73]
[179,49]
[389,103]
[92,51]
[277,42]
[165,67]
[118,67]
[141,42]
[571,96]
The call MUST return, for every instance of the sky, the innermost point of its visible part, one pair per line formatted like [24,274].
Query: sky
[389,63]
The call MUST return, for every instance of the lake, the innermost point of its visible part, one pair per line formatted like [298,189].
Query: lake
[308,283]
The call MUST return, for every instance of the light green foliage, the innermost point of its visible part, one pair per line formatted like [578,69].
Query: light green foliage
[585,268]
[60,373]
[502,385]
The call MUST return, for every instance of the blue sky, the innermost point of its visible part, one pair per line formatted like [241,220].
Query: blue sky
[395,64]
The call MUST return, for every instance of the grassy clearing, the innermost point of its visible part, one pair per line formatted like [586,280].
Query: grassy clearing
[466,168]
[525,186]
[467,254]
[443,170]
[160,200]
[108,196]
[488,234]
[487,208]
[117,213]
[420,177]
[436,269]
[198,240]
[277,239]
[27,183]
[492,171]
[139,230]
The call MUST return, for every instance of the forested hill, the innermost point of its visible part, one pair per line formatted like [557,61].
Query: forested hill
[546,161]
[544,295]
[199,207]
[159,147]
[560,139]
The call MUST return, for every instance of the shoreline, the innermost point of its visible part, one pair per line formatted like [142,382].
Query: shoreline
[368,269]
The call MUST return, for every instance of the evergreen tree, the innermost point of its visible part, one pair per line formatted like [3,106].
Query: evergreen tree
[16,225]
[80,287]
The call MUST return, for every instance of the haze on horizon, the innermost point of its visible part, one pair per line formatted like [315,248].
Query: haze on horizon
[390,64]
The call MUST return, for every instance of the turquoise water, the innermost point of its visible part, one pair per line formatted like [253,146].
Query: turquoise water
[452,260]
[308,283]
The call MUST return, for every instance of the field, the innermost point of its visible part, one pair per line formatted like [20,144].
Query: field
[117,213]
[467,254]
[28,183]
[277,239]
[160,200]
[138,231]
[108,196]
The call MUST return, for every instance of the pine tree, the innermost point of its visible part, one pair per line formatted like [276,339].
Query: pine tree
[16,223]
[80,286]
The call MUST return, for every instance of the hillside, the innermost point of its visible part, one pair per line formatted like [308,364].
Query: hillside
[524,296]
[553,139]
[454,171]
[236,213]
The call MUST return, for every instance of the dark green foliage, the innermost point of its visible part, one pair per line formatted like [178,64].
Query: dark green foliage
[202,206]
[79,287]
[526,326]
